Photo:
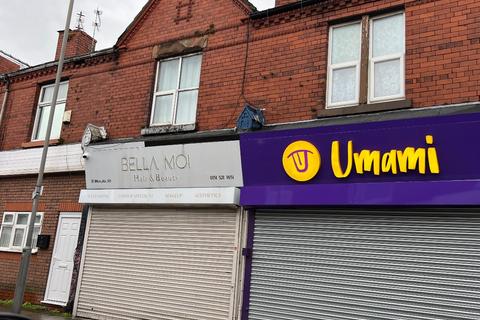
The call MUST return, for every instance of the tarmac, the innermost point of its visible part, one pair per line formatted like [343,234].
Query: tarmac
[34,315]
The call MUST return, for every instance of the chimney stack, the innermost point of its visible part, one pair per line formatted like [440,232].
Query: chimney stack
[79,43]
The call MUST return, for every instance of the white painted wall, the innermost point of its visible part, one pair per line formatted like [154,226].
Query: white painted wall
[64,158]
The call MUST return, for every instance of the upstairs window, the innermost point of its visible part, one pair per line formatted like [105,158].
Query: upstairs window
[387,53]
[366,61]
[344,64]
[176,91]
[13,233]
[43,112]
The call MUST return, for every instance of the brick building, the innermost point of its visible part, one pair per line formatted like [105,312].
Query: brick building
[25,95]
[9,63]
[178,78]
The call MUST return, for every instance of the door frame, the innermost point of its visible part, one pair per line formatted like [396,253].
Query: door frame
[82,261]
[60,216]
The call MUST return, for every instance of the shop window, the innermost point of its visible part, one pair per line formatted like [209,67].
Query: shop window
[13,232]
[176,91]
[366,61]
[43,112]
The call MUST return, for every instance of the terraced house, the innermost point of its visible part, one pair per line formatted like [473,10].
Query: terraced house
[316,160]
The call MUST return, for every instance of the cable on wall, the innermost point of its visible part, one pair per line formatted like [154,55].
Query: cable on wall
[244,76]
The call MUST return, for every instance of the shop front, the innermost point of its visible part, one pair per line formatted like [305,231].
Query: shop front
[375,220]
[163,232]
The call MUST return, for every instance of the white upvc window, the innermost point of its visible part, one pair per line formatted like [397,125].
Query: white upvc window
[13,232]
[176,91]
[43,112]
[372,51]
[387,55]
[344,64]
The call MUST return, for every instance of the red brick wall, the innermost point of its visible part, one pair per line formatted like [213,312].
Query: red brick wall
[88,98]
[443,50]
[60,195]
[7,66]
[118,94]
[78,43]
[286,66]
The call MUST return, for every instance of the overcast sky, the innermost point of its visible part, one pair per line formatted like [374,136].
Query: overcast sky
[28,28]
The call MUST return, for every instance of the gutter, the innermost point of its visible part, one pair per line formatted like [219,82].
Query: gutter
[178,138]
[288,7]
[401,114]
[5,98]
[112,50]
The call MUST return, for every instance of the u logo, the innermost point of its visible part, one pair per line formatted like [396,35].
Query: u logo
[301,161]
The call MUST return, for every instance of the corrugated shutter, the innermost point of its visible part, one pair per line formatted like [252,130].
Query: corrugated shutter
[159,264]
[378,266]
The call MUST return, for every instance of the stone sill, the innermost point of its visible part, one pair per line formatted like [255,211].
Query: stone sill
[154,130]
[39,143]
[10,250]
[365,108]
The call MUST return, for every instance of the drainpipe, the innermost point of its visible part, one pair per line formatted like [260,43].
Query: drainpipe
[5,98]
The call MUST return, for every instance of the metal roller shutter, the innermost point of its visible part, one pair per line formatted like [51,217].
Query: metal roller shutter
[159,264]
[379,266]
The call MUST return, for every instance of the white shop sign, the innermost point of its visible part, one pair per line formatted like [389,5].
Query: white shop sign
[134,166]
[162,196]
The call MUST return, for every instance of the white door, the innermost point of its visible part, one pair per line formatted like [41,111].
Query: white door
[61,267]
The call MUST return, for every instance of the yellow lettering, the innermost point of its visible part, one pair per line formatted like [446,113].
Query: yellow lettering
[367,159]
[429,139]
[411,158]
[394,161]
[336,163]
[389,162]
[432,156]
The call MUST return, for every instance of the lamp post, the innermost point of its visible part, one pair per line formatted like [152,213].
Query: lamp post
[27,250]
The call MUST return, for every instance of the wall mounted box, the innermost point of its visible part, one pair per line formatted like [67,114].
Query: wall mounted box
[43,241]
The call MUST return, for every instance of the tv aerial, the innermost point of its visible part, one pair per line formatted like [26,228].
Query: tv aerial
[80,20]
[96,24]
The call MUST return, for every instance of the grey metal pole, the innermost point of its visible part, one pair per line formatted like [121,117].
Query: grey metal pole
[27,250]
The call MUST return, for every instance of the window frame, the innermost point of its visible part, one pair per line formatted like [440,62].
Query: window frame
[365,68]
[331,67]
[41,104]
[174,92]
[15,226]
[372,61]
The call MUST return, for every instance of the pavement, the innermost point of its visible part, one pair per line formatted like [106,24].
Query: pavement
[35,315]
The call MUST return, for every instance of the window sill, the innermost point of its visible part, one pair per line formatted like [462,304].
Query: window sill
[40,143]
[154,130]
[34,251]
[365,108]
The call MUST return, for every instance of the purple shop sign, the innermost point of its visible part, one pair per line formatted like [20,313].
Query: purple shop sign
[450,141]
